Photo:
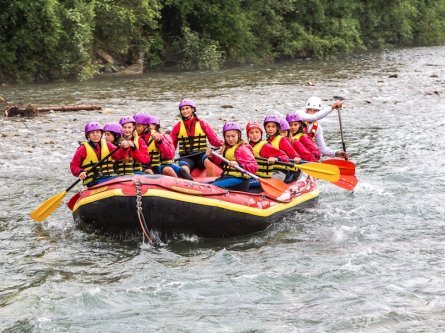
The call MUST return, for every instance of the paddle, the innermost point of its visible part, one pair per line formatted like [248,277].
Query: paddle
[341,132]
[347,168]
[327,172]
[196,153]
[347,182]
[45,209]
[273,187]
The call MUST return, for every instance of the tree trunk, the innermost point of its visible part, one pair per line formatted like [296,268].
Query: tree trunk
[30,110]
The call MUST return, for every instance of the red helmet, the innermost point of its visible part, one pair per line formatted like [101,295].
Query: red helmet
[253,124]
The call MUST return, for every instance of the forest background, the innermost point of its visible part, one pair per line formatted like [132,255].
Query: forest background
[62,39]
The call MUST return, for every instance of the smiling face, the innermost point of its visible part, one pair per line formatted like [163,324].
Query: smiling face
[186,111]
[254,135]
[271,128]
[128,129]
[231,137]
[95,136]
[294,127]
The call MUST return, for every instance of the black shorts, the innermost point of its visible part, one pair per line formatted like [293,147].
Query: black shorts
[194,162]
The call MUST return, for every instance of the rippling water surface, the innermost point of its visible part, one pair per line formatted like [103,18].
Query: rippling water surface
[367,261]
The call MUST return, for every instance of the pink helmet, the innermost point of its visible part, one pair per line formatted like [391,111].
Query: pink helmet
[188,102]
[292,117]
[92,126]
[141,118]
[154,120]
[115,128]
[231,126]
[253,124]
[127,119]
[284,125]
[272,119]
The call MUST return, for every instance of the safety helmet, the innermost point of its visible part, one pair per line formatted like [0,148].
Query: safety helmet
[188,102]
[273,118]
[141,118]
[293,117]
[115,128]
[253,124]
[231,126]
[154,120]
[127,119]
[92,126]
[284,125]
[313,103]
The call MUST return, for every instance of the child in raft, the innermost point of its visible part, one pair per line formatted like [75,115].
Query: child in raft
[296,144]
[191,134]
[239,154]
[134,147]
[90,153]
[314,129]
[263,149]
[297,134]
[162,151]
[272,128]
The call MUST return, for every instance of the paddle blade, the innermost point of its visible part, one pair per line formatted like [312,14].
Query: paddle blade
[330,173]
[347,182]
[46,208]
[347,168]
[273,187]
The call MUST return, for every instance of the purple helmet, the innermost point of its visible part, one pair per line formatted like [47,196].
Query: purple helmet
[154,120]
[272,118]
[231,126]
[188,102]
[284,125]
[114,128]
[127,119]
[141,118]
[292,117]
[92,126]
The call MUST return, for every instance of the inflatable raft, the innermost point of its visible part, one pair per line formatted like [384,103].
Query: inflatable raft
[174,205]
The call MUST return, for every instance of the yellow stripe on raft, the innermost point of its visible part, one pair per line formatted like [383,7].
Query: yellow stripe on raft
[204,201]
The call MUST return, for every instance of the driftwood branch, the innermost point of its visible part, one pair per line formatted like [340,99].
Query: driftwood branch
[30,110]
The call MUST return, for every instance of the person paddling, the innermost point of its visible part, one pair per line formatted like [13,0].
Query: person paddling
[314,130]
[296,133]
[296,144]
[191,135]
[263,150]
[238,153]
[90,153]
[272,128]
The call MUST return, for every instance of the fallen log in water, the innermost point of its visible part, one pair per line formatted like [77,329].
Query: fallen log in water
[30,110]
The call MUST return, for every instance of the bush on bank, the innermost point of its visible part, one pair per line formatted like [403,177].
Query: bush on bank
[58,39]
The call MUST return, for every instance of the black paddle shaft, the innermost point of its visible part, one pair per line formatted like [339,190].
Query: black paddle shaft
[94,167]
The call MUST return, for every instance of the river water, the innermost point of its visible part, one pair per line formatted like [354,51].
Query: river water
[368,261]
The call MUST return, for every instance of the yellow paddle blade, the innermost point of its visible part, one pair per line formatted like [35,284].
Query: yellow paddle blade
[46,208]
[328,172]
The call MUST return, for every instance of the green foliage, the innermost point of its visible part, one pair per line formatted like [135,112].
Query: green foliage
[58,39]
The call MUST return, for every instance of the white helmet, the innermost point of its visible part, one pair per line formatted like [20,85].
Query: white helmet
[314,103]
